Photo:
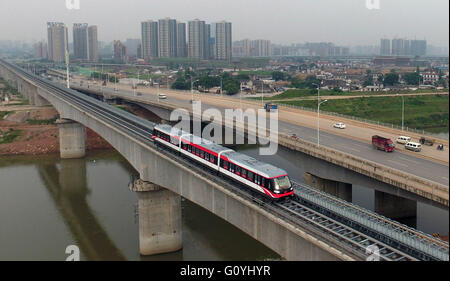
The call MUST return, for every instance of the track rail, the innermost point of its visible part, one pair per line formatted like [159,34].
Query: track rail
[354,237]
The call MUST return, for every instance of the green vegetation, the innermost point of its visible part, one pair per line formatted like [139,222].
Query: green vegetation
[311,93]
[123,108]
[412,78]
[391,79]
[9,136]
[204,80]
[429,113]
[303,93]
[3,114]
[41,122]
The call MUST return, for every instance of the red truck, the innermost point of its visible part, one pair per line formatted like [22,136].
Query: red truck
[383,144]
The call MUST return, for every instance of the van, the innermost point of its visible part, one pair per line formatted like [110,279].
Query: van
[403,139]
[414,146]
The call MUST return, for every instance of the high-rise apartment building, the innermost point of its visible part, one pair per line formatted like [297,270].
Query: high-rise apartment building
[120,52]
[57,41]
[385,47]
[93,43]
[418,47]
[40,50]
[81,41]
[223,40]
[198,39]
[260,48]
[167,38]
[398,47]
[181,39]
[212,41]
[149,33]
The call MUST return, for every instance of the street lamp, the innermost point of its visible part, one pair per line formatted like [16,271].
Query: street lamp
[192,89]
[318,121]
[403,112]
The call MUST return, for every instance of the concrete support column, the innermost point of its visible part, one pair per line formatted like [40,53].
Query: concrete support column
[339,189]
[394,207]
[159,219]
[72,139]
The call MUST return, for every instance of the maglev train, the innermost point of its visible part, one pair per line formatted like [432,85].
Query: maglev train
[262,177]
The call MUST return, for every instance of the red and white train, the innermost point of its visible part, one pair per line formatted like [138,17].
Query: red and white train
[262,177]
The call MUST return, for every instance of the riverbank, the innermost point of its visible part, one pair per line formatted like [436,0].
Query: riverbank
[26,130]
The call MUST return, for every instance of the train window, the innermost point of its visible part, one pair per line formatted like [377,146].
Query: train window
[244,173]
[207,156]
[238,170]
[250,176]
[225,165]
[202,154]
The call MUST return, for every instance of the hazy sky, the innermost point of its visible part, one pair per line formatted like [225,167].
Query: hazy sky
[345,22]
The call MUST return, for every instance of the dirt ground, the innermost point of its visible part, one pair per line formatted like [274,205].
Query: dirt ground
[39,139]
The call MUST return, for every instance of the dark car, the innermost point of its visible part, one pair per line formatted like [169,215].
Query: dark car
[426,141]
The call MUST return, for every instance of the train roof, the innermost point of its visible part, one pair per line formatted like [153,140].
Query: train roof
[214,147]
[191,138]
[168,129]
[250,163]
[247,162]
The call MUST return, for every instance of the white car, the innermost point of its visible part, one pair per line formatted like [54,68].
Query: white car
[162,96]
[339,126]
[403,139]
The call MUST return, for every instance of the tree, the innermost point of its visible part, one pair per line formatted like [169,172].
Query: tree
[208,82]
[412,78]
[181,84]
[391,79]
[231,88]
[278,75]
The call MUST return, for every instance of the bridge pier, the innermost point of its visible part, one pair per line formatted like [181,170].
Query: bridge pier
[339,189]
[72,139]
[159,219]
[394,207]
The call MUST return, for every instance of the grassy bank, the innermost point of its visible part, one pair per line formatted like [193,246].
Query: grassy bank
[3,114]
[9,136]
[429,113]
[304,93]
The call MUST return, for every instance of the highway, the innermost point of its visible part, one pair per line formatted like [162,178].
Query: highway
[416,164]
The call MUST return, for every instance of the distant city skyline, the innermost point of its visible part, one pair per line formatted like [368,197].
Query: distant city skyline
[343,22]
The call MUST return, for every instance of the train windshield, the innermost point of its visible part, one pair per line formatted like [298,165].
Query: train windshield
[282,183]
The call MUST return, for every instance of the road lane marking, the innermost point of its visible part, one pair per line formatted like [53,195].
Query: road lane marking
[398,163]
[342,147]
[360,145]
[406,159]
